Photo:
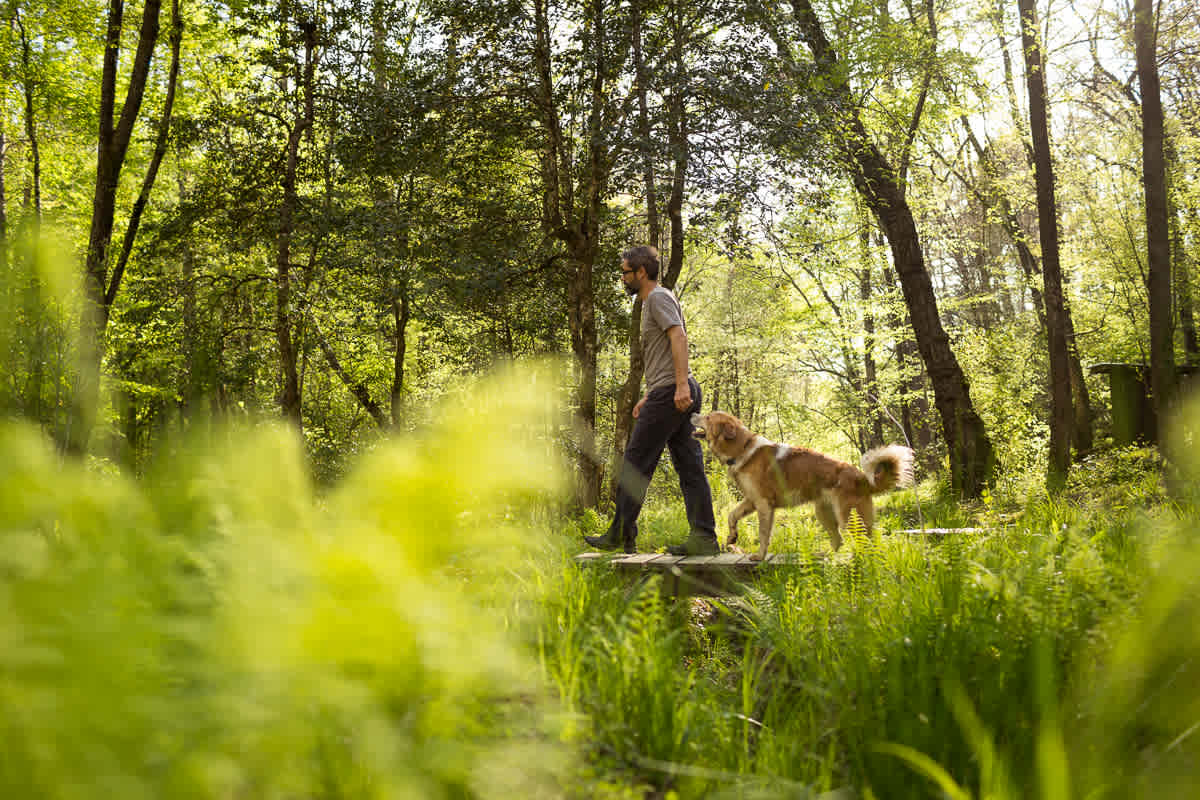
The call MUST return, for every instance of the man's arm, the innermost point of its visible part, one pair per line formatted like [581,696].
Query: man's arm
[679,355]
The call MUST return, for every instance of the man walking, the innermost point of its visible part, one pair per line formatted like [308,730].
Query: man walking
[662,417]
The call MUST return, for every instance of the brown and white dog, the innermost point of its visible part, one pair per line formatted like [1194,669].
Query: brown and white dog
[775,476]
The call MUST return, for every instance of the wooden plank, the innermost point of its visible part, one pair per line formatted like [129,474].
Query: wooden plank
[723,573]
[637,559]
[694,562]
[663,561]
[731,560]
[939,531]
[647,561]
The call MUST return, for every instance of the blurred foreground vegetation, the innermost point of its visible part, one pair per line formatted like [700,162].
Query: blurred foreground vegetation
[218,628]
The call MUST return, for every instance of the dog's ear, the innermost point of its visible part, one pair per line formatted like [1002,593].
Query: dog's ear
[727,431]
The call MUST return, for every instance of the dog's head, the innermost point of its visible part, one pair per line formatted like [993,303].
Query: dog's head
[725,434]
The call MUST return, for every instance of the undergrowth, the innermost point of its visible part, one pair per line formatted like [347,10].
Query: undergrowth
[1044,655]
[219,628]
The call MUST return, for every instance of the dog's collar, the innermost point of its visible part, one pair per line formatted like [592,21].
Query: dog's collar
[752,447]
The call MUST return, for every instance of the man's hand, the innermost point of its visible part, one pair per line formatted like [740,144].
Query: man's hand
[638,408]
[683,396]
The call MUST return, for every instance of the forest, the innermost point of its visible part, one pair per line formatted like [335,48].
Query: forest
[316,366]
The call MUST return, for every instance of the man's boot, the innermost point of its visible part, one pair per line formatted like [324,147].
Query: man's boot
[697,544]
[611,539]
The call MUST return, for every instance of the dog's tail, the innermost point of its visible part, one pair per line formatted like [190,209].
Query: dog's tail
[888,467]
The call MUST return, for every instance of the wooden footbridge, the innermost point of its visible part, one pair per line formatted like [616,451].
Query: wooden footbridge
[723,573]
[696,575]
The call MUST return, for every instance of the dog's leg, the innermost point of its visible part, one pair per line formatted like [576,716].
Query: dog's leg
[864,507]
[828,518]
[866,510]
[766,519]
[735,516]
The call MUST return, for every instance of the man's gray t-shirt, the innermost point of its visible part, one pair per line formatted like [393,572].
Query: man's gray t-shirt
[660,311]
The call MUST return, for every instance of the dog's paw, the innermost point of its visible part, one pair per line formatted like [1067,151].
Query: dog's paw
[731,547]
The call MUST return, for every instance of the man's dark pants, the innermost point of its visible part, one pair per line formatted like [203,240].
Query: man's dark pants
[659,424]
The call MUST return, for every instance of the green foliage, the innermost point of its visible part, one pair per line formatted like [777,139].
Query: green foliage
[218,629]
[1044,657]
[40,301]
[1008,392]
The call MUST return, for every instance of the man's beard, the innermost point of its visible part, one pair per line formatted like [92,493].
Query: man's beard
[630,290]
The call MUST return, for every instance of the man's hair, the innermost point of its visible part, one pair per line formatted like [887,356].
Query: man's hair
[642,257]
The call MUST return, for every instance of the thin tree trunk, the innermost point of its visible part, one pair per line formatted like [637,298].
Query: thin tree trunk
[35,154]
[1056,330]
[995,200]
[112,146]
[627,397]
[3,192]
[1183,288]
[1082,428]
[1082,418]
[401,314]
[1158,273]
[290,398]
[1010,81]
[1082,421]
[874,428]
[915,417]
[971,456]
[361,392]
[645,140]
[677,142]
[160,149]
[401,311]
[581,294]
[552,201]
[387,204]
[579,234]
[191,335]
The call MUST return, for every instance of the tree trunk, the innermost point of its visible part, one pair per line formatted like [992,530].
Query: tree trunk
[1082,422]
[361,392]
[290,397]
[645,139]
[1183,288]
[1061,413]
[627,397]
[915,417]
[3,192]
[30,125]
[582,319]
[971,456]
[874,427]
[1158,273]
[677,142]
[1083,428]
[190,392]
[175,37]
[401,314]
[112,145]
[579,232]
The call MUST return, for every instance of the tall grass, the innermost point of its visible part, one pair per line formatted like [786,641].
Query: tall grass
[1050,656]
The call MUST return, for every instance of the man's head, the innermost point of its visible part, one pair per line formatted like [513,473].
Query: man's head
[638,264]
